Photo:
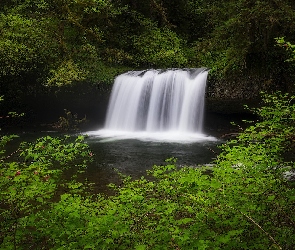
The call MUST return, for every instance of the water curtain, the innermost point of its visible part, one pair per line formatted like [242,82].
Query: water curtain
[158,100]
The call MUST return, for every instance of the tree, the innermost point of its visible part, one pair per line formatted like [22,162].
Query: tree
[243,32]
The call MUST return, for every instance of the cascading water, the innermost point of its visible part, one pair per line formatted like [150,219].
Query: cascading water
[156,103]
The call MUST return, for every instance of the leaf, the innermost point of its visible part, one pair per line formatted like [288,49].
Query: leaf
[40,199]
[271,197]
[184,221]
[140,247]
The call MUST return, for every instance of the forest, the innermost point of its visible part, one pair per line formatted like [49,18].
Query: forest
[47,44]
[246,201]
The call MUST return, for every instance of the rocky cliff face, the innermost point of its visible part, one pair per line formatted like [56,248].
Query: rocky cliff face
[229,95]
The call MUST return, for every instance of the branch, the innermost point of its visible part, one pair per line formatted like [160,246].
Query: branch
[257,225]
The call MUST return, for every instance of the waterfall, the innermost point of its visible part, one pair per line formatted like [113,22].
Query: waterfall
[157,105]
[158,101]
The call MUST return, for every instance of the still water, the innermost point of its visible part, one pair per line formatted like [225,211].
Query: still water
[133,157]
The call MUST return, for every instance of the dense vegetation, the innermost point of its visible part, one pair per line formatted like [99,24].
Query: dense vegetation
[55,43]
[74,40]
[244,202]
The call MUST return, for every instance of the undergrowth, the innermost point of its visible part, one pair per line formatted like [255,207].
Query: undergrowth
[242,202]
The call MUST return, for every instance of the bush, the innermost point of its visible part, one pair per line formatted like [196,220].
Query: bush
[243,202]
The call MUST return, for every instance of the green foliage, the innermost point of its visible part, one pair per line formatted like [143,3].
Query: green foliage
[242,202]
[160,48]
[29,180]
[62,42]
[69,122]
[24,43]
[65,74]
[290,48]
[271,137]
[242,35]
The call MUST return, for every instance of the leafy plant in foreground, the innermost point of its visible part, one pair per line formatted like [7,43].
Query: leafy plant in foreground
[243,202]
[29,180]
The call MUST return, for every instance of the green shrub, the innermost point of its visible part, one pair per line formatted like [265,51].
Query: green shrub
[242,202]
[29,181]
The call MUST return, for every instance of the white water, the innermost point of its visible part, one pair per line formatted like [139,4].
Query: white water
[155,105]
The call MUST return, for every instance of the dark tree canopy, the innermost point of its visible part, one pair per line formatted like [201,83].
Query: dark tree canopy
[60,42]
